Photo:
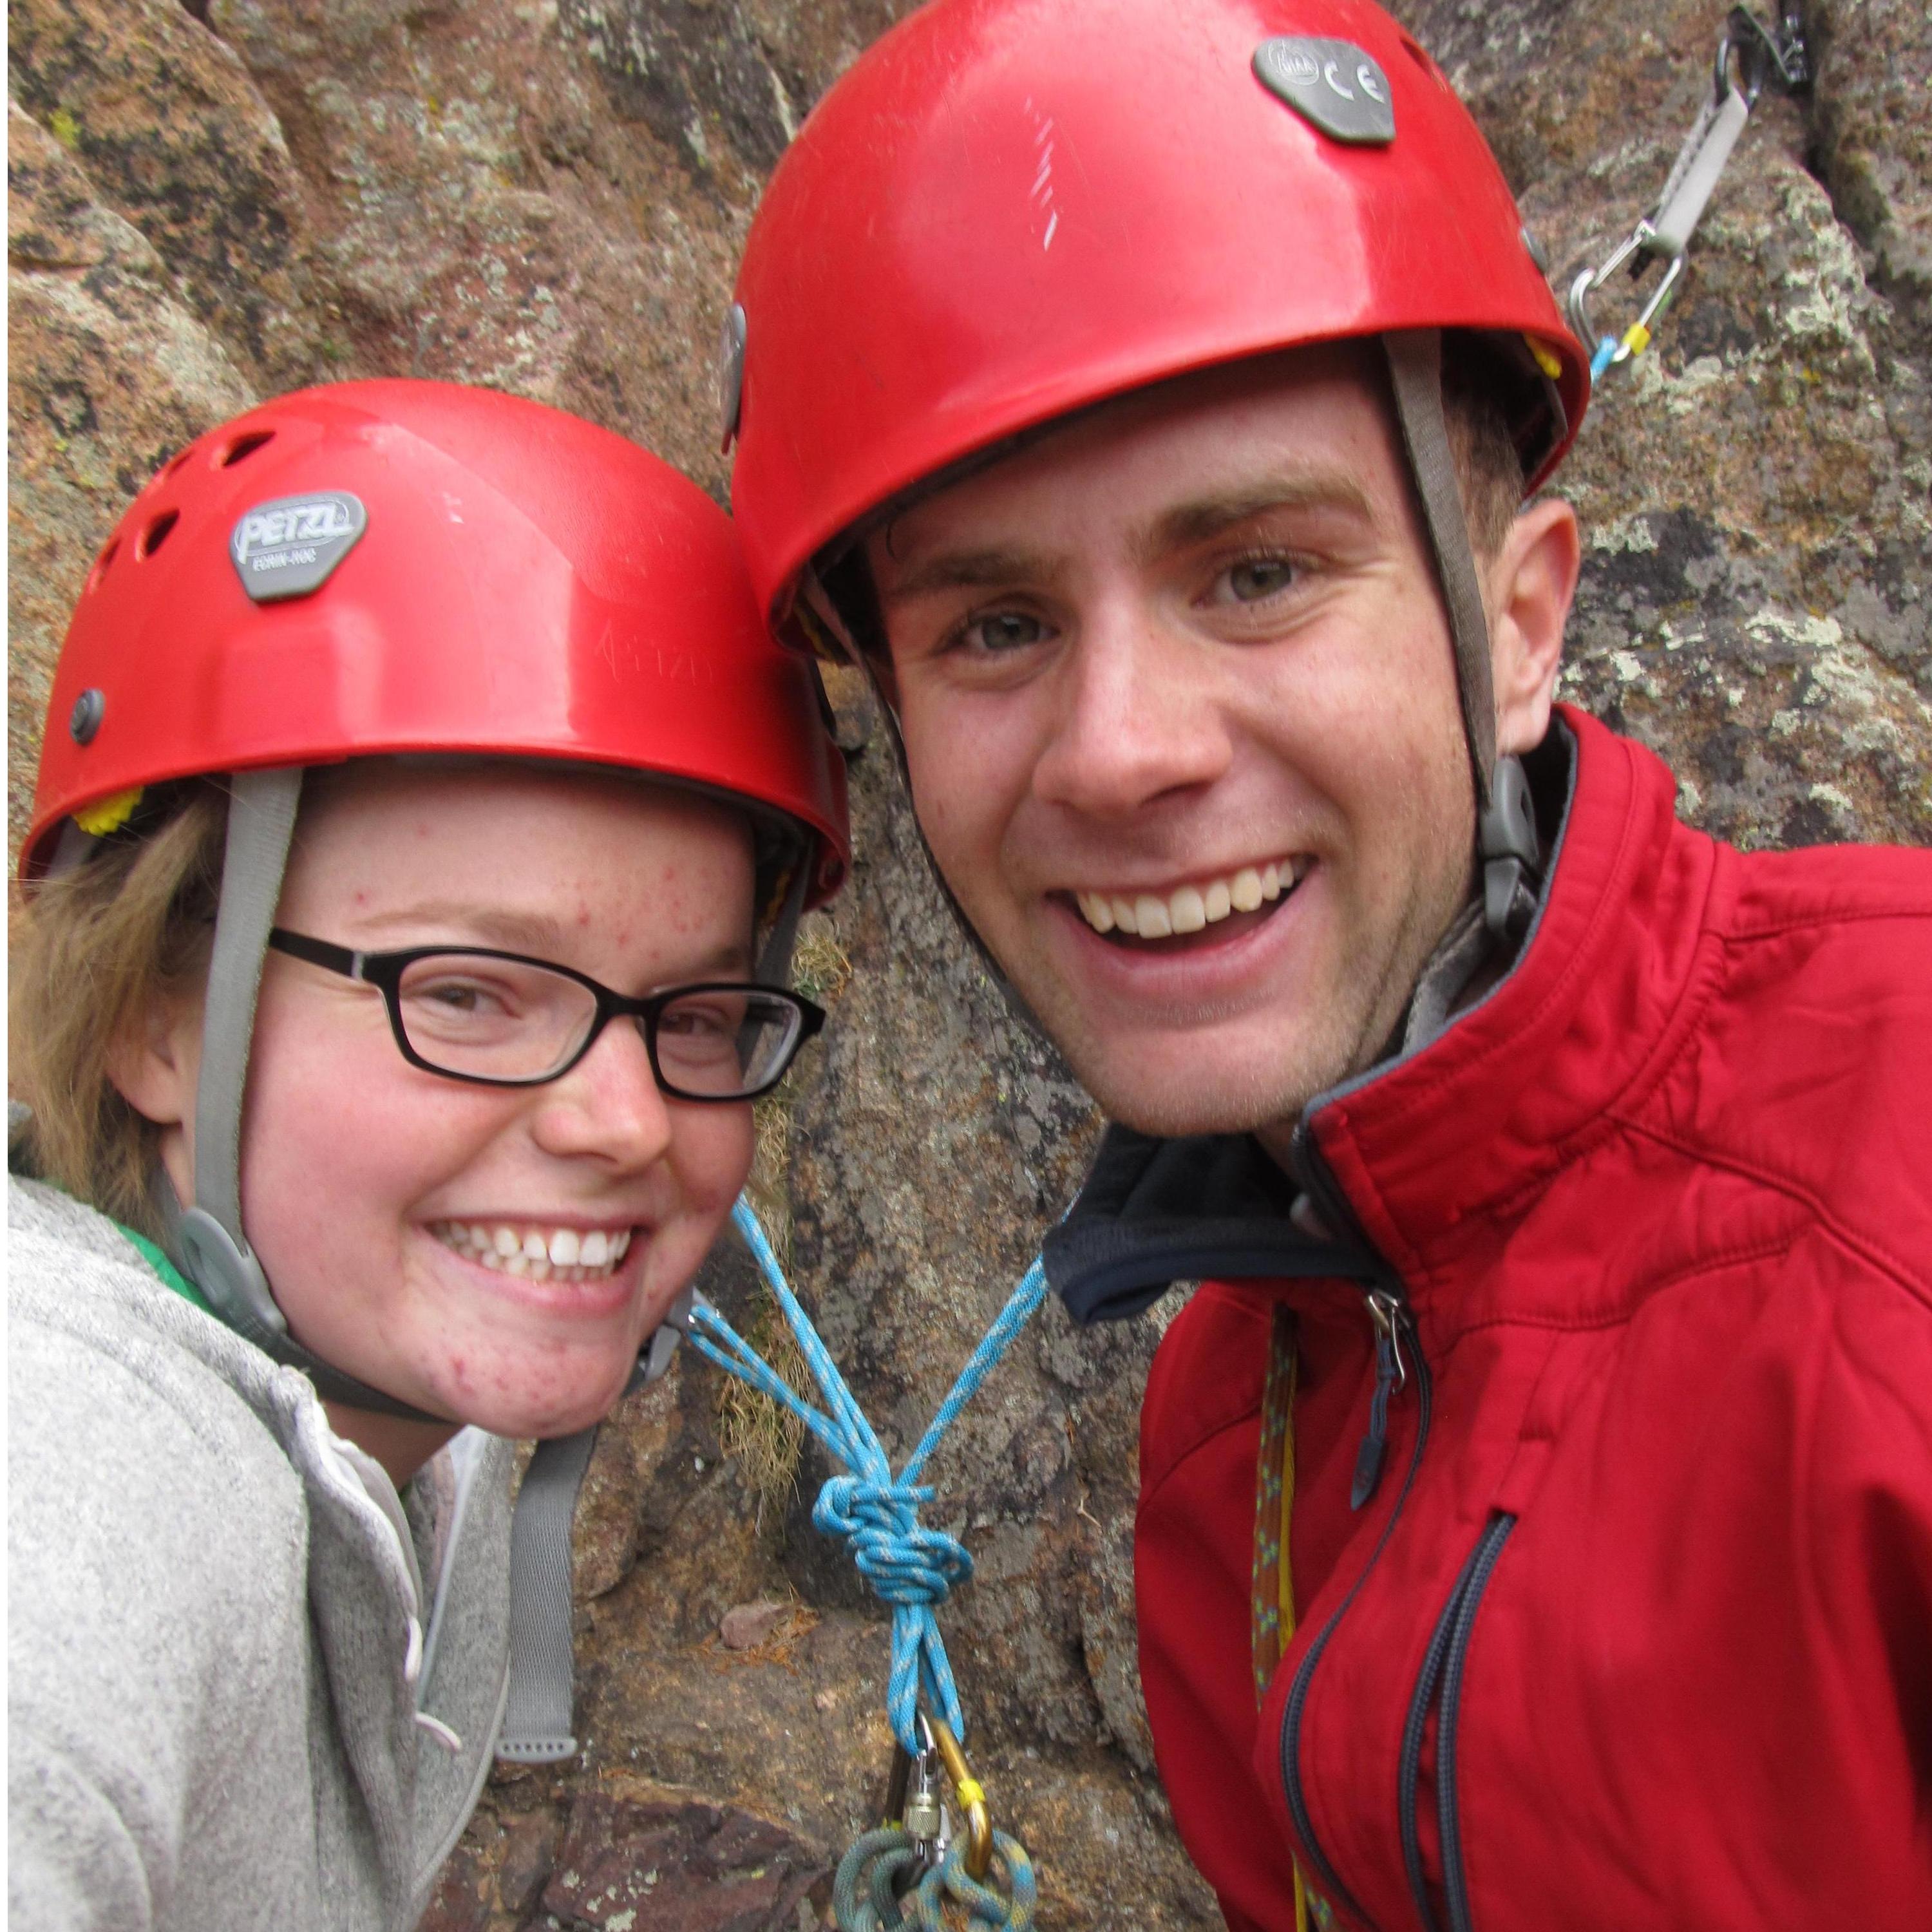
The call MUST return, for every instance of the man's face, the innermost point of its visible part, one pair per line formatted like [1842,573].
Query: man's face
[1185,661]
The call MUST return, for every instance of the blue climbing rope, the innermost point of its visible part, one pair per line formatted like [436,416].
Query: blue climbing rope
[909,1565]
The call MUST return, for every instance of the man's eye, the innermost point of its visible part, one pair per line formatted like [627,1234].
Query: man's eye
[1001,631]
[1253,579]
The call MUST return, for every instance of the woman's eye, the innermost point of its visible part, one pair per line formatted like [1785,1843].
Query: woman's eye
[699,1022]
[455,998]
[1001,631]
[1253,579]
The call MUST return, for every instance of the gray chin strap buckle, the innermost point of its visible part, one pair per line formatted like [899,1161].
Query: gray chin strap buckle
[1512,857]
[657,1352]
[228,1273]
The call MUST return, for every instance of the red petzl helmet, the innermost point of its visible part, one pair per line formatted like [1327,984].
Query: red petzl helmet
[391,567]
[1009,209]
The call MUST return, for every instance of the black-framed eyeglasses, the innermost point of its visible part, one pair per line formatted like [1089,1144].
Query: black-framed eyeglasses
[503,1019]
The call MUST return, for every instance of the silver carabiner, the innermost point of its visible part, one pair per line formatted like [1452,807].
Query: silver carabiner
[1610,350]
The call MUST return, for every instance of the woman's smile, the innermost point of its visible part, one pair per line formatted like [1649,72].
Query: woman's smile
[540,1251]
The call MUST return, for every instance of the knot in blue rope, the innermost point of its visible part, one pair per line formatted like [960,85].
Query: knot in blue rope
[875,1513]
[903,1560]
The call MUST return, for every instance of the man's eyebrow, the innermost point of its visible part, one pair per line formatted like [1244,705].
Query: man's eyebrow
[990,568]
[999,566]
[1207,517]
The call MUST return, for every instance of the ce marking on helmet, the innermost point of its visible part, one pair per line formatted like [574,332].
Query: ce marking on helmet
[1365,79]
[1334,84]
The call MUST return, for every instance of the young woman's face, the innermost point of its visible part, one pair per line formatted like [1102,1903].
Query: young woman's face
[370,1187]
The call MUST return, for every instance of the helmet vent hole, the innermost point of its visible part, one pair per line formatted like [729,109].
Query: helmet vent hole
[101,562]
[1420,59]
[157,533]
[243,447]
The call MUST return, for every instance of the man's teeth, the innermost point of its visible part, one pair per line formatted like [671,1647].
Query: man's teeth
[1189,908]
[541,1254]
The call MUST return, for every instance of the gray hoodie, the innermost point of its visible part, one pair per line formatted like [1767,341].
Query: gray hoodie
[245,1688]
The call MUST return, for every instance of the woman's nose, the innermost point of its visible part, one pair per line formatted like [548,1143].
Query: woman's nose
[608,1106]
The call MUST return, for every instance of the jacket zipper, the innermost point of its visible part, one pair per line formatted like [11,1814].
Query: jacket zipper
[1388,1306]
[1388,1310]
[1450,1637]
[1391,1317]
[1481,1568]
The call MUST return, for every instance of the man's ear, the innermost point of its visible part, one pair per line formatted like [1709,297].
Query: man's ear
[153,1062]
[1531,582]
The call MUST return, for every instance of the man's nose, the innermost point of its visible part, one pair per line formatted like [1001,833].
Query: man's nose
[609,1106]
[1139,716]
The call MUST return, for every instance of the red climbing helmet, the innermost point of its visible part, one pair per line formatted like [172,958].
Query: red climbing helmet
[1009,209]
[406,566]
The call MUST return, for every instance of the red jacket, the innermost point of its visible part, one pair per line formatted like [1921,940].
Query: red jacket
[1635,1628]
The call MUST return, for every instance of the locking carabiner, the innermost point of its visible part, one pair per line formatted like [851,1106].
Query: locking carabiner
[912,1793]
[970,1796]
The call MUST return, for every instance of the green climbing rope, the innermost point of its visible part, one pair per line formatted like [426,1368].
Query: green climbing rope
[865,1896]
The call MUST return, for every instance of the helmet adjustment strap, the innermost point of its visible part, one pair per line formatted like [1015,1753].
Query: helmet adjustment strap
[1415,371]
[215,1253]
[774,963]
[1506,822]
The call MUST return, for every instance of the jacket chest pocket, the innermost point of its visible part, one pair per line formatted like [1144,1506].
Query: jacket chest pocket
[1422,1728]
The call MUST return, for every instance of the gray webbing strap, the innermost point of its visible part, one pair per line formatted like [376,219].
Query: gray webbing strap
[538,1713]
[261,823]
[213,1252]
[537,1717]
[1694,175]
[774,966]
[1415,370]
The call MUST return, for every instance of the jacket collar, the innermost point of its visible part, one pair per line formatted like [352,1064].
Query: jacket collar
[1435,1150]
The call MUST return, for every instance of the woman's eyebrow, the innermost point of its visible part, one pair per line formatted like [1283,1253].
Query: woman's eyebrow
[494,925]
[535,933]
[723,960]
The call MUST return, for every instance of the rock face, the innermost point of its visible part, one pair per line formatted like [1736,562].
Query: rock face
[1754,491]
[213,200]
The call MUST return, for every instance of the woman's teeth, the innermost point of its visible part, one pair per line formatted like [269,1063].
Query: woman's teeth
[540,1254]
[1189,908]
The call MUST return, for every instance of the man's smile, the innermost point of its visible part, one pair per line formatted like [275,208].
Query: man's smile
[1181,911]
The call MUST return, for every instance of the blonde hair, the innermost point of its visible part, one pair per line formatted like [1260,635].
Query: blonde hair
[96,952]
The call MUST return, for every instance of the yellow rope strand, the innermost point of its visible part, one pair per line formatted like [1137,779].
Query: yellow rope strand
[1274,1594]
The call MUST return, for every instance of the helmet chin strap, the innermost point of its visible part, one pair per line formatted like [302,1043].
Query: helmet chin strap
[215,1253]
[1505,820]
